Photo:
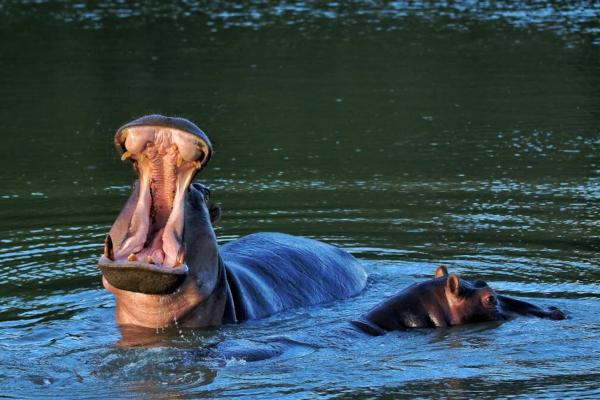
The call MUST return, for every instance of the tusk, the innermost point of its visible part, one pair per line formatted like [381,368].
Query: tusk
[180,257]
[125,156]
[108,248]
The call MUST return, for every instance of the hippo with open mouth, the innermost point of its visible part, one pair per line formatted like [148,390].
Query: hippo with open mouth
[161,259]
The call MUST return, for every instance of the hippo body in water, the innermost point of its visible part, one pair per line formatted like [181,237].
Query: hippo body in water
[161,259]
[445,301]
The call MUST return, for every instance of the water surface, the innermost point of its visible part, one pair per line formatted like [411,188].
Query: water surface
[408,133]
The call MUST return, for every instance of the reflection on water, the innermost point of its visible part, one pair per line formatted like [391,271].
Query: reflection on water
[409,133]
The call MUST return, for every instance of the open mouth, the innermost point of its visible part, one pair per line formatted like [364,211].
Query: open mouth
[166,153]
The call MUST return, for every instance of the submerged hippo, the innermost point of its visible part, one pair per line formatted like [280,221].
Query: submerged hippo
[161,259]
[444,301]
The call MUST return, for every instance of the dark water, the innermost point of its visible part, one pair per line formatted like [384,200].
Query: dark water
[408,133]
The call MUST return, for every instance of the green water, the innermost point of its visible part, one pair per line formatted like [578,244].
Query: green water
[408,133]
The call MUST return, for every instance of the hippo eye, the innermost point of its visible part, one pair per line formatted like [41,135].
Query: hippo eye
[490,300]
[206,192]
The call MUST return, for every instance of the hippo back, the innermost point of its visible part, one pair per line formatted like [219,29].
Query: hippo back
[270,272]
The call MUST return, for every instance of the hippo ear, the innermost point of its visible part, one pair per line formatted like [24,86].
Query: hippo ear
[215,214]
[441,271]
[453,284]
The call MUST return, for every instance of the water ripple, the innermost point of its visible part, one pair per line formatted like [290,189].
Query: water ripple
[566,19]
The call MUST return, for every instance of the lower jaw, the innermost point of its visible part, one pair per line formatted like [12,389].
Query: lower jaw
[143,277]
[155,311]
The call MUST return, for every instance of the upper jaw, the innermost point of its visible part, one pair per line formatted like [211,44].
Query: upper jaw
[150,255]
[156,121]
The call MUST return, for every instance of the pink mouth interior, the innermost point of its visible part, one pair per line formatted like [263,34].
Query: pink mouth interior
[166,160]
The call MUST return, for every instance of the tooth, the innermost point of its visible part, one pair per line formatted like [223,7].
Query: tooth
[125,156]
[179,161]
[149,260]
[132,257]
[198,164]
[108,248]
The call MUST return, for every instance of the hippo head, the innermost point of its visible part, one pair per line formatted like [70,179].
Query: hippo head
[160,257]
[470,302]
